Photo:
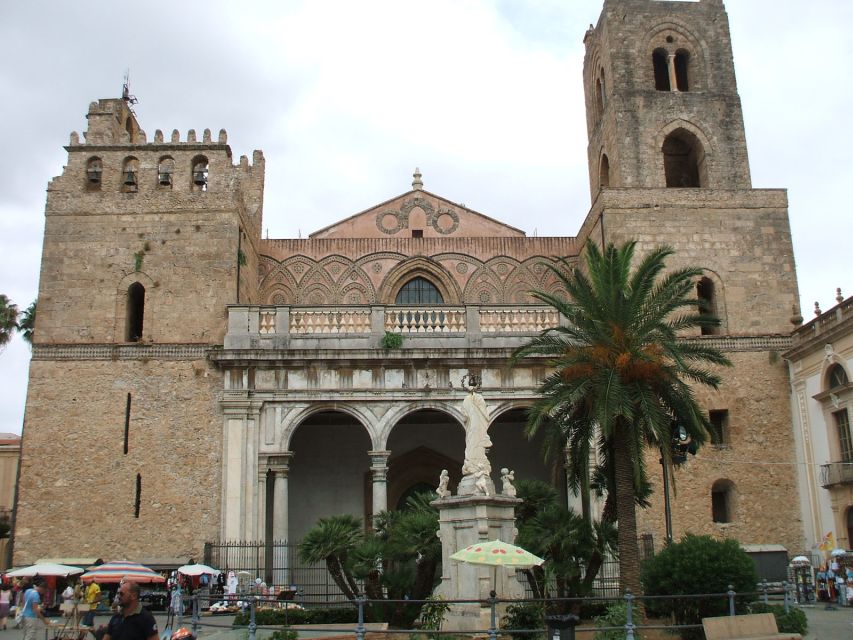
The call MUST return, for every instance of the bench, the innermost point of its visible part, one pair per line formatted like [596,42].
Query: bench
[755,626]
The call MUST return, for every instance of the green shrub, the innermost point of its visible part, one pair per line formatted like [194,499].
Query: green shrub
[794,621]
[616,615]
[695,565]
[284,634]
[391,340]
[528,615]
[285,617]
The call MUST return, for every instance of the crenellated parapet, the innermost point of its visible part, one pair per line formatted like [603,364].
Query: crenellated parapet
[113,164]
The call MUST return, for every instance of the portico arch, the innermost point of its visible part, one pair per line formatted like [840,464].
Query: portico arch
[330,455]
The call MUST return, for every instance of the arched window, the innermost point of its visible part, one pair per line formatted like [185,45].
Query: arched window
[129,173]
[722,501]
[661,69]
[94,170]
[604,172]
[135,312]
[683,160]
[836,376]
[419,291]
[707,303]
[599,102]
[199,173]
[682,67]
[165,170]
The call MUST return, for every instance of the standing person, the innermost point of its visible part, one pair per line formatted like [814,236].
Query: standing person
[5,604]
[132,622]
[32,609]
[92,598]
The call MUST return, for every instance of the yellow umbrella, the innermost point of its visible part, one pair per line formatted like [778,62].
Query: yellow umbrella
[497,552]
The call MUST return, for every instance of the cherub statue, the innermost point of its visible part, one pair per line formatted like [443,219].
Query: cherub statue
[481,483]
[507,478]
[442,489]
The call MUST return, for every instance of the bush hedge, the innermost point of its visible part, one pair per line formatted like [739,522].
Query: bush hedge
[284,617]
[794,621]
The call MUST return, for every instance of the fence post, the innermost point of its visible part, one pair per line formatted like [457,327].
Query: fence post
[252,626]
[493,621]
[785,597]
[359,630]
[629,615]
[764,589]
[731,594]
[195,614]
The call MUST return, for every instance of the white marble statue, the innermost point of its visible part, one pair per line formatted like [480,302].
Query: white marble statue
[442,489]
[481,481]
[477,441]
[507,478]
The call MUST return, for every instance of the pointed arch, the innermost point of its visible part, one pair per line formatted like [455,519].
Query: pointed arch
[423,267]
[134,295]
[685,154]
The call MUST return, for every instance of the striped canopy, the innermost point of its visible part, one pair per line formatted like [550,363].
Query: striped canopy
[121,570]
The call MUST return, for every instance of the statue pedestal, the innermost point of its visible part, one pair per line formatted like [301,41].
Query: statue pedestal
[463,521]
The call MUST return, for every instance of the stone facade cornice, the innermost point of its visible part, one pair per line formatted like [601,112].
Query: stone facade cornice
[121,351]
[150,146]
[343,357]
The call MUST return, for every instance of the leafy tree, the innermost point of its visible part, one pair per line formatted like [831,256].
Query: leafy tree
[8,320]
[27,324]
[621,375]
[399,559]
[696,565]
[564,539]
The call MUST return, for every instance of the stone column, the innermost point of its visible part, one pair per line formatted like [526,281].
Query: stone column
[280,465]
[673,78]
[379,470]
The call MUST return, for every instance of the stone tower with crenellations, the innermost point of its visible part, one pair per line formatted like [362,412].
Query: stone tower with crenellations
[192,382]
[145,244]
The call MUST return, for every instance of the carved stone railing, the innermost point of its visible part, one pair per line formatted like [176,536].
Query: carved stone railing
[425,320]
[362,326]
[836,473]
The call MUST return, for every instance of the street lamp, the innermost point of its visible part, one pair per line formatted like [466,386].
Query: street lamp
[680,444]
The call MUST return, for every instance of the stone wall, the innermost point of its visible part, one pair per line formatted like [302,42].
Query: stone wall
[758,459]
[78,487]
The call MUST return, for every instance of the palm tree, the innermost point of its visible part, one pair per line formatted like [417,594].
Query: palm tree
[27,325]
[620,369]
[8,320]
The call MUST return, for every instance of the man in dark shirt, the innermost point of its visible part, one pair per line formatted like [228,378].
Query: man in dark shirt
[134,622]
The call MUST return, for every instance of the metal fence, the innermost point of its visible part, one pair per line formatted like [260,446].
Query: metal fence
[277,563]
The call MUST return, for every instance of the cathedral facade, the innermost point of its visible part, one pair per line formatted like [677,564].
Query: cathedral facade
[192,381]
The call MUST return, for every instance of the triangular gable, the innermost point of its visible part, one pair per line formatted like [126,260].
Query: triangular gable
[418,213]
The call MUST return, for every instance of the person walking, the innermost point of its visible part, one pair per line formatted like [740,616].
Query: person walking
[133,621]
[92,599]
[32,609]
[5,604]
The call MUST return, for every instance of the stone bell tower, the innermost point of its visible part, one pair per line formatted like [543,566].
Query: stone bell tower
[660,76]
[668,166]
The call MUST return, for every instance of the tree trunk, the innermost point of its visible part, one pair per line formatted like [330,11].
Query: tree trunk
[629,551]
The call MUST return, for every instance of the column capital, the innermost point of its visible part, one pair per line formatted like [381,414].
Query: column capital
[379,458]
[279,463]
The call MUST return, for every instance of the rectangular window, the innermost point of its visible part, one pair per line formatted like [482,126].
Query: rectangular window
[417,233]
[842,424]
[720,506]
[719,427]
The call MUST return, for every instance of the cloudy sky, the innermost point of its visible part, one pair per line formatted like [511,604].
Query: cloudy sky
[345,98]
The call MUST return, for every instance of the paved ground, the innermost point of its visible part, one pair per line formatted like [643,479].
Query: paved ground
[824,624]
